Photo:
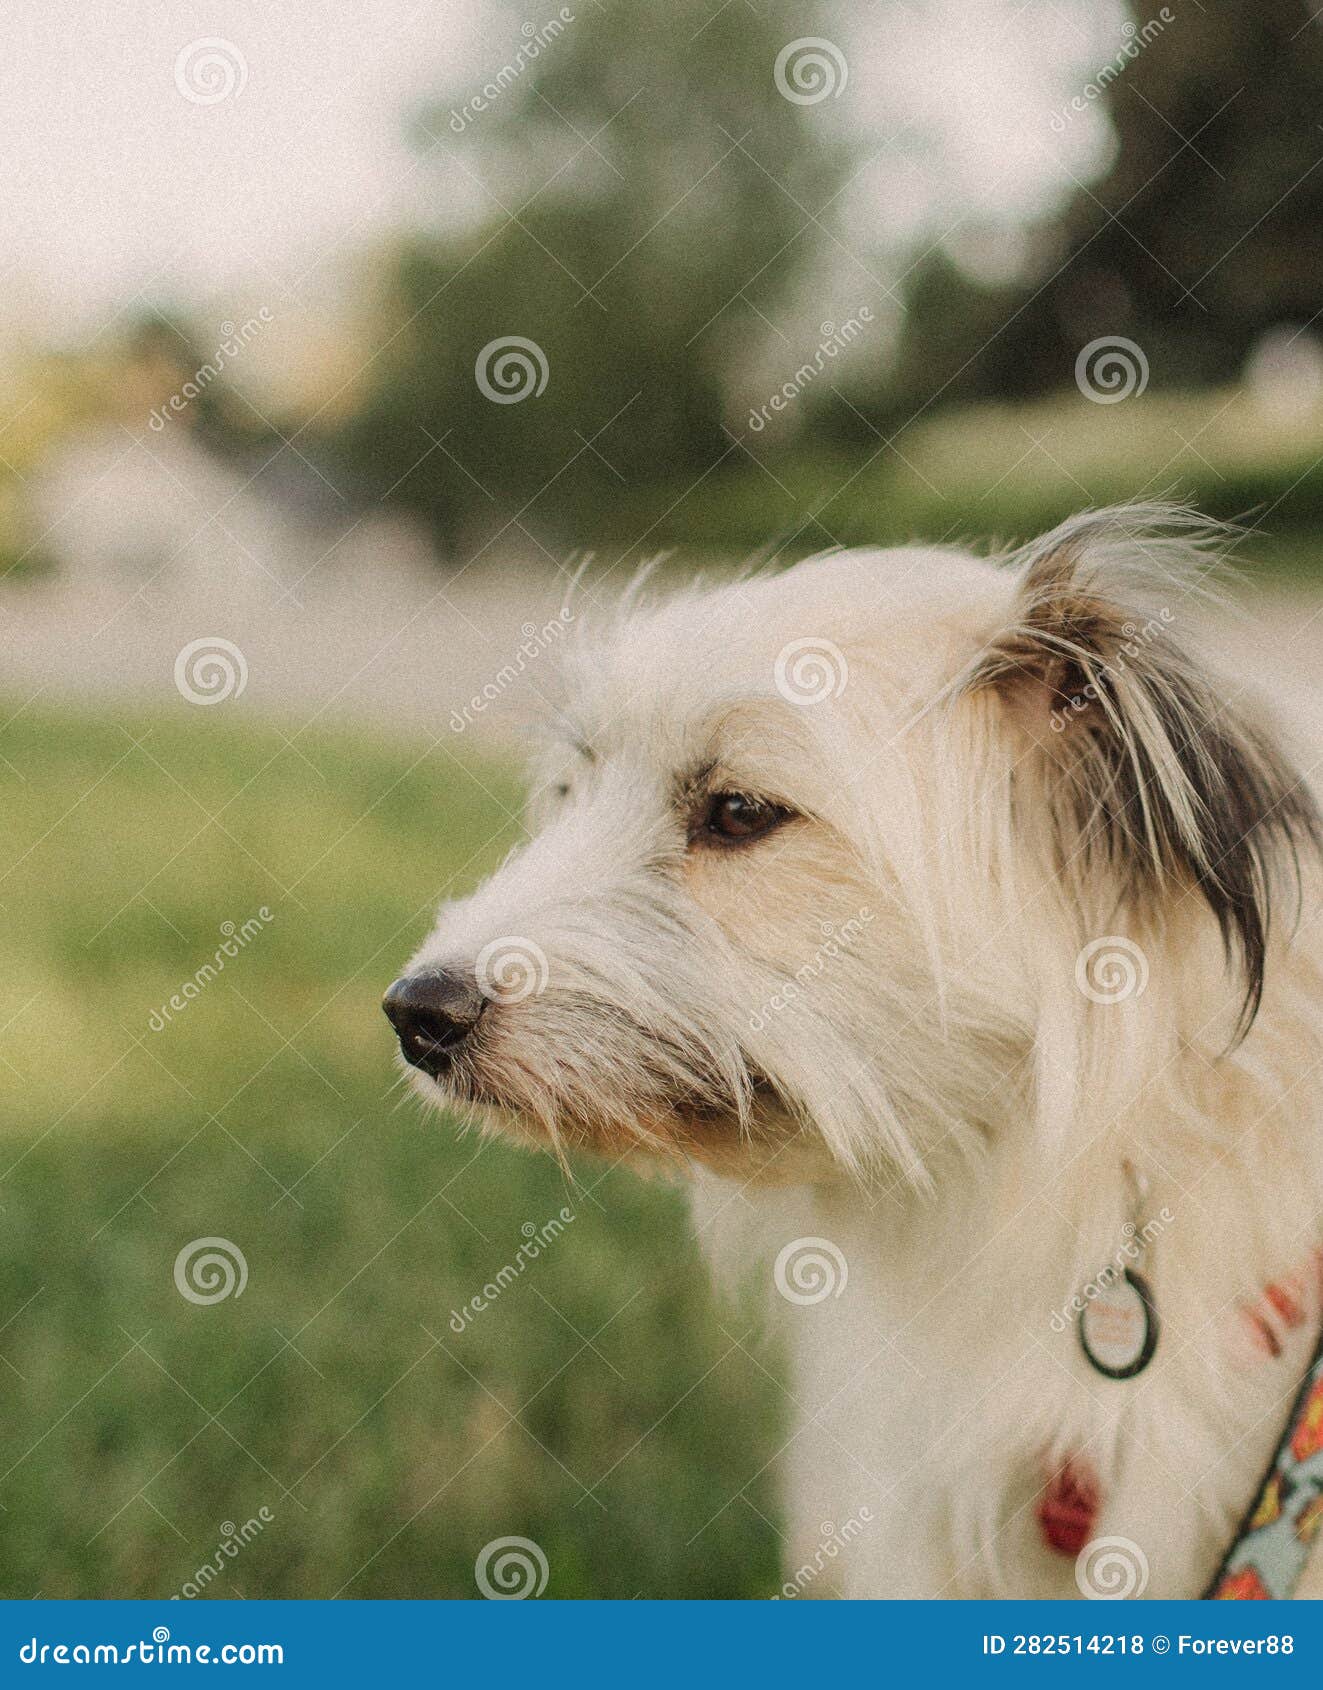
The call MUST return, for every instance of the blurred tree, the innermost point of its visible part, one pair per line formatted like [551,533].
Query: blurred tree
[1206,230]
[648,198]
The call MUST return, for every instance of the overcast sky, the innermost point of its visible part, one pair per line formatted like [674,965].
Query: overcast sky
[117,184]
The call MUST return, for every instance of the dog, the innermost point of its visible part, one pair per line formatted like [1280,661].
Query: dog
[953,927]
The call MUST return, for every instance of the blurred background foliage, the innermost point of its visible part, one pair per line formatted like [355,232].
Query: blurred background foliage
[664,224]
[619,261]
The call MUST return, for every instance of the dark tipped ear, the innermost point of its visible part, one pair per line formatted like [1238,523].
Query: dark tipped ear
[1145,773]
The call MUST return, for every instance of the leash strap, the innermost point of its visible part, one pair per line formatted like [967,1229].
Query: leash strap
[1272,1546]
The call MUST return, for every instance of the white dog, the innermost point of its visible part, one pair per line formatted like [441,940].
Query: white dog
[959,932]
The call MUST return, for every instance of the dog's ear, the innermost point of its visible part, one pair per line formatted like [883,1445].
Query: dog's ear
[1150,780]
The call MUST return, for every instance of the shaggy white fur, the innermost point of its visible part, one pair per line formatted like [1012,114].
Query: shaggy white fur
[920,905]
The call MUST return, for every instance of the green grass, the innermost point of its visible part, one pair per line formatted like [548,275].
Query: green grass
[598,1406]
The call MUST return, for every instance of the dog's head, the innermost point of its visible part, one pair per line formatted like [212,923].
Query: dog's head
[843,868]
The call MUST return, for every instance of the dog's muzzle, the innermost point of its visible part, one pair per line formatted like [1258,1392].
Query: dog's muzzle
[433,1012]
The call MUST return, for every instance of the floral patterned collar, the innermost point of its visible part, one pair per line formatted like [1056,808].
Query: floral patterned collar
[1272,1546]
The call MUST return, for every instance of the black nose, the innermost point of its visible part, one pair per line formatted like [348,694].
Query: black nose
[433,1012]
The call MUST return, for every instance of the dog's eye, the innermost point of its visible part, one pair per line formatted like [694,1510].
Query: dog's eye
[736,818]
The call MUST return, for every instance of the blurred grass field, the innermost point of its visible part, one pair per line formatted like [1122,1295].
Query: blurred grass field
[602,1406]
